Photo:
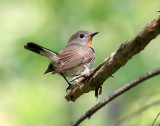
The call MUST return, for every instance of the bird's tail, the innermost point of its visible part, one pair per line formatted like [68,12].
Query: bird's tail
[42,51]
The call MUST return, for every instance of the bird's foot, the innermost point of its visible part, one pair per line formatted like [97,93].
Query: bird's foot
[79,77]
[69,87]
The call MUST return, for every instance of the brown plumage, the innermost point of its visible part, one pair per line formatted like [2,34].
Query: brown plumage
[73,56]
[73,59]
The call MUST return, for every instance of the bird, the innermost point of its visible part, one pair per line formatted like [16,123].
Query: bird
[75,58]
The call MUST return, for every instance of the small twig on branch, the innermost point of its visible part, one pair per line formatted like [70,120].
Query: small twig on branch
[155,119]
[116,60]
[115,94]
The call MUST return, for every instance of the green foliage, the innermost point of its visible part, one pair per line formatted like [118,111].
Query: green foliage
[29,98]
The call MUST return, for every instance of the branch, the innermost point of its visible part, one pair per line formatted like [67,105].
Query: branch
[155,119]
[115,94]
[116,60]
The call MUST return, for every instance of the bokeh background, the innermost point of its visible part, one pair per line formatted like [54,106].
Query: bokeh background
[29,98]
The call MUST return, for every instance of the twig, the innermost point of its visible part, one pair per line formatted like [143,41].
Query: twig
[116,60]
[115,94]
[155,119]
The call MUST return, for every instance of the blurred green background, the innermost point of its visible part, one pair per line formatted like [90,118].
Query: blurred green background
[29,98]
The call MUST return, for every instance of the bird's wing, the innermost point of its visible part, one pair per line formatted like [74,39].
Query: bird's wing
[73,56]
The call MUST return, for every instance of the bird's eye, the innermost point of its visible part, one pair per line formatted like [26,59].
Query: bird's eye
[81,35]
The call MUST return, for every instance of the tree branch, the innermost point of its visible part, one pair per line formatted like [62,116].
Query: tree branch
[155,119]
[116,60]
[115,94]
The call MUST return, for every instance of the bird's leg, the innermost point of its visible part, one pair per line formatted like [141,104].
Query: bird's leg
[85,73]
[70,85]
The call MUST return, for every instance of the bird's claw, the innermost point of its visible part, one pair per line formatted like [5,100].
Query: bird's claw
[76,77]
[68,88]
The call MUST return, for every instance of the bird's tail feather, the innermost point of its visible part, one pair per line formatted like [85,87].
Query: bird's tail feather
[41,50]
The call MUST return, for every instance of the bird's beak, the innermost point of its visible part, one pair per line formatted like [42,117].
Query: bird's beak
[93,34]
